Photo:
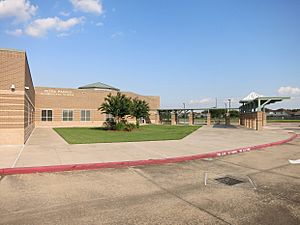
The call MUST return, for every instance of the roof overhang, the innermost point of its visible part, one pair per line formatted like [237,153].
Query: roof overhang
[259,103]
[265,99]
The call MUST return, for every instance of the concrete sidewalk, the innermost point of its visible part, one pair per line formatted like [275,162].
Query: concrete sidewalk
[45,147]
[169,194]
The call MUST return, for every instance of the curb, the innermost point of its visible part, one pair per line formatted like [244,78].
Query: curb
[94,166]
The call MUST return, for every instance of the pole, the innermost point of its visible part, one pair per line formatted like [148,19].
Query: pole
[229,105]
[184,113]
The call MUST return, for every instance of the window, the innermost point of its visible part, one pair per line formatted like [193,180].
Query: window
[85,115]
[46,115]
[29,114]
[67,115]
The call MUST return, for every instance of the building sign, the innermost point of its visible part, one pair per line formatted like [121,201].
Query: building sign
[53,92]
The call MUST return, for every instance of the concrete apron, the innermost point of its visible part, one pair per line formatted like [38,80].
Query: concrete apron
[46,151]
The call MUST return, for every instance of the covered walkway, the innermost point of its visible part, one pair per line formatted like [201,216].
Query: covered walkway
[252,111]
[193,116]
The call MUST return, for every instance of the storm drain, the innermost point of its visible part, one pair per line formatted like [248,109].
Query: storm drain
[229,180]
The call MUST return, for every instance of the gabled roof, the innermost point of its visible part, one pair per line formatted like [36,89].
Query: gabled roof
[100,86]
[251,96]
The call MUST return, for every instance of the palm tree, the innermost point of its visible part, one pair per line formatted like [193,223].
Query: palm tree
[117,105]
[139,109]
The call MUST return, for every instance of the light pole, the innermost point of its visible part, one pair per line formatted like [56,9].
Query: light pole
[184,113]
[229,104]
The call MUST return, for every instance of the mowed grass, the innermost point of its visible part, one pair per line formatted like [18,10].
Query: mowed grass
[88,135]
[283,121]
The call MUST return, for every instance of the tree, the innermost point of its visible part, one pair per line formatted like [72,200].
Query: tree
[117,105]
[139,109]
[234,113]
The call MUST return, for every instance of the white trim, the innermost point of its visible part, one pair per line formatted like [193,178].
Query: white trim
[85,115]
[46,115]
[69,110]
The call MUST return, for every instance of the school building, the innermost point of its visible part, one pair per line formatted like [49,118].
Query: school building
[24,106]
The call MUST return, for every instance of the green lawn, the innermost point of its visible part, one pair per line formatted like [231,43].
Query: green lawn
[283,121]
[87,135]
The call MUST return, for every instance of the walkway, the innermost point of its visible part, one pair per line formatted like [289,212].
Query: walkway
[45,147]
[162,194]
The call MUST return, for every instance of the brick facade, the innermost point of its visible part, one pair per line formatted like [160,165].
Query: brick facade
[16,98]
[59,99]
[21,107]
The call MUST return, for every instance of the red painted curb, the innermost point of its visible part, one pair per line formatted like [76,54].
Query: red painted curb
[94,166]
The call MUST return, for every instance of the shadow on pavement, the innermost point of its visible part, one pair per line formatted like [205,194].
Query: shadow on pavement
[224,126]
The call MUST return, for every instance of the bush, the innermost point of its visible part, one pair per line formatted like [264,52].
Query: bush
[110,124]
[125,126]
[120,126]
[130,126]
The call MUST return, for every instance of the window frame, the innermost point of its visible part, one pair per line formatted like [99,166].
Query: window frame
[47,115]
[85,118]
[68,118]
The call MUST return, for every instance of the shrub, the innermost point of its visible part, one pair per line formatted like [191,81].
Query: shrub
[125,126]
[110,124]
[120,126]
[129,126]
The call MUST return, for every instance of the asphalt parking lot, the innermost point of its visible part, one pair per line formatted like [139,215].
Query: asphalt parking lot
[164,194]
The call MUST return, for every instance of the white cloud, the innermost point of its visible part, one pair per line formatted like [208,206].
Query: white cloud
[289,90]
[21,10]
[40,27]
[88,6]
[16,32]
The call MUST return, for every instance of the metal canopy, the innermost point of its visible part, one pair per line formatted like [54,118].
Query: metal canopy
[259,103]
[195,109]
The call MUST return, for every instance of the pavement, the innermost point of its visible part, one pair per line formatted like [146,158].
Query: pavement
[46,148]
[172,194]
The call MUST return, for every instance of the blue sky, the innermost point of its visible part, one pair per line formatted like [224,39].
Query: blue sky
[189,51]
